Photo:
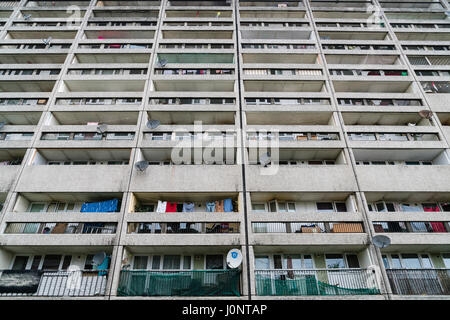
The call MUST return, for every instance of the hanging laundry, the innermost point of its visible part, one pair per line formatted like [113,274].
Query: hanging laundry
[171,207]
[103,266]
[161,206]
[228,205]
[438,227]
[430,208]
[418,226]
[219,206]
[188,207]
[180,207]
[103,206]
[210,206]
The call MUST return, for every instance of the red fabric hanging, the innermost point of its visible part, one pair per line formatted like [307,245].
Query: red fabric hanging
[438,227]
[171,207]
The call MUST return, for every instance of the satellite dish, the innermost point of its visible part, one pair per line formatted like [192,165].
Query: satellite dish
[381,241]
[2,124]
[48,40]
[102,128]
[99,258]
[162,63]
[152,124]
[234,258]
[264,159]
[141,165]
[427,114]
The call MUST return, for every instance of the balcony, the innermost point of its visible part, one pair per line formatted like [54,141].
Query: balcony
[135,3]
[315,282]
[179,283]
[183,228]
[49,283]
[60,228]
[194,170]
[410,226]
[10,160]
[419,281]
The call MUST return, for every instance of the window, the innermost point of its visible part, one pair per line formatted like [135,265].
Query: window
[37,207]
[324,206]
[446,258]
[51,262]
[187,262]
[140,262]
[66,262]
[263,262]
[259,207]
[36,262]
[286,206]
[214,261]
[171,262]
[89,263]
[341,207]
[407,261]
[20,263]
[334,261]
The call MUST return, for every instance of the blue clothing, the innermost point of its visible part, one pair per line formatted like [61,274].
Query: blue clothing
[210,206]
[188,207]
[103,266]
[103,206]
[227,205]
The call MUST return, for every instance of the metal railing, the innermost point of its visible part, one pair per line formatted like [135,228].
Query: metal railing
[179,283]
[315,282]
[184,227]
[419,281]
[410,226]
[307,227]
[53,283]
[60,228]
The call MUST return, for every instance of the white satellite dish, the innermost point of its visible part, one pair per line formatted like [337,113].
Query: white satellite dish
[152,124]
[234,258]
[264,159]
[99,258]
[381,241]
[141,165]
[48,40]
[161,63]
[101,128]
[426,114]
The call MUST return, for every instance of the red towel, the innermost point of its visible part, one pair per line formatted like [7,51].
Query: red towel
[438,227]
[171,207]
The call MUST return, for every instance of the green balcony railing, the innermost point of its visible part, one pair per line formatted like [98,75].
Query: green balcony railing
[179,283]
[315,282]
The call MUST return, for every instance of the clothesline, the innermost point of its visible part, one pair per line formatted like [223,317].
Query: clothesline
[225,205]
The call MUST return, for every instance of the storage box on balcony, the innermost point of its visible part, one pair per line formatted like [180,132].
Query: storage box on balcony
[347,228]
[311,230]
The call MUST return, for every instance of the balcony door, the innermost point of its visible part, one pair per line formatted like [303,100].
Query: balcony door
[338,272]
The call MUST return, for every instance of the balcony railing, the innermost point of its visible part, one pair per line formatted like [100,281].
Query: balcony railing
[179,283]
[419,281]
[307,227]
[315,282]
[409,226]
[61,228]
[80,283]
[184,227]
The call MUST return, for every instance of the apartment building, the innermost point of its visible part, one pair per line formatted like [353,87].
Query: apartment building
[142,140]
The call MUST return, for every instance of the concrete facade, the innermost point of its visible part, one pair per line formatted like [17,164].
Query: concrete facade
[341,89]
